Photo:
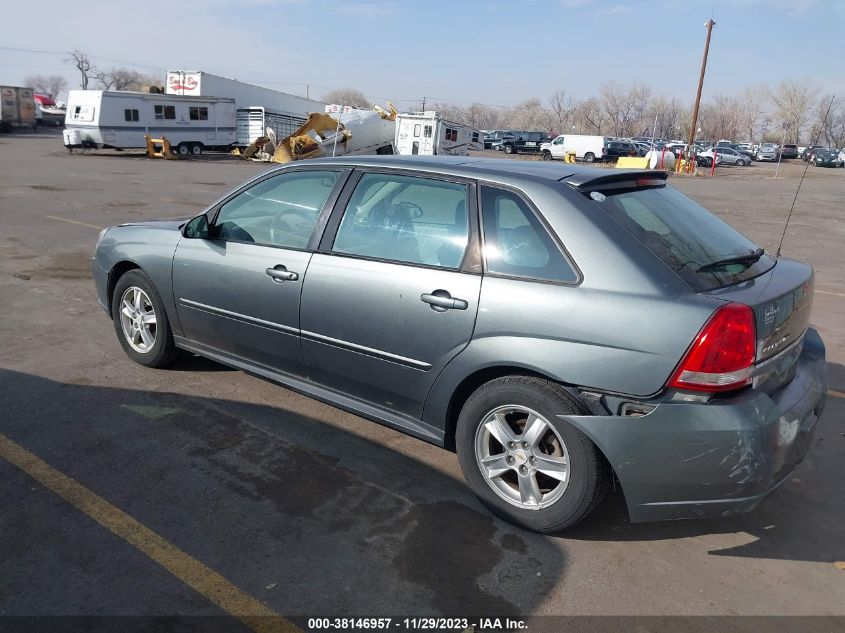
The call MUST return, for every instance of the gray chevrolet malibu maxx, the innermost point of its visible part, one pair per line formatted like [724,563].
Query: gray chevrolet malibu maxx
[556,326]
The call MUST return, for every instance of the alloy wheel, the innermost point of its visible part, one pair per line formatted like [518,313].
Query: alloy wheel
[522,457]
[138,319]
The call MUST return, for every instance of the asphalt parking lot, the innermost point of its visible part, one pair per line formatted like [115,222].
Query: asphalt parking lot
[275,501]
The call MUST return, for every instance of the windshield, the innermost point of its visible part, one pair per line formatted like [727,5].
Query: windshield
[684,236]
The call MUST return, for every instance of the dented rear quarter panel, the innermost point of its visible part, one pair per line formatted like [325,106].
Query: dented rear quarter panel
[687,459]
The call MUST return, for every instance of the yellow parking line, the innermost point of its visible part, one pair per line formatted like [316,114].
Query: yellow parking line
[828,292]
[90,226]
[190,571]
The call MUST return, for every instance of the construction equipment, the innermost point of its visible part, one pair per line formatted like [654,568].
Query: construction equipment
[154,143]
[339,132]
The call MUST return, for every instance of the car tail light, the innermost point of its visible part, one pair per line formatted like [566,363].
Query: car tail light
[722,356]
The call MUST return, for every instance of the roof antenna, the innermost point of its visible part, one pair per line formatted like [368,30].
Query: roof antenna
[800,182]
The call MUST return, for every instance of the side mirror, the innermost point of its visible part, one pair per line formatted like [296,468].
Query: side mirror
[197,228]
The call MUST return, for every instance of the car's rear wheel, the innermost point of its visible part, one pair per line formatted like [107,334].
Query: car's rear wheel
[183,149]
[196,149]
[589,157]
[522,460]
[510,149]
[140,320]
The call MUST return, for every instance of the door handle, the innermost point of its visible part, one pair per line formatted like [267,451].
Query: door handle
[441,300]
[279,274]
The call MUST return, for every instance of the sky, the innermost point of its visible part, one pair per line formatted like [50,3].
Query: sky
[496,52]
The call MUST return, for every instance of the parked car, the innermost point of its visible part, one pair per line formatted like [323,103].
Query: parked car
[767,152]
[705,158]
[677,149]
[525,142]
[842,157]
[499,145]
[685,366]
[808,153]
[825,158]
[616,149]
[789,150]
[585,147]
[727,156]
[496,136]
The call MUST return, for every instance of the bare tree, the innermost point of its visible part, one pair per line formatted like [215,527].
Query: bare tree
[47,84]
[564,108]
[590,117]
[828,122]
[123,79]
[349,97]
[484,117]
[83,65]
[752,101]
[793,100]
[530,115]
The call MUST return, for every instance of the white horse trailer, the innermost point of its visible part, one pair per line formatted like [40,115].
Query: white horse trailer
[428,133]
[252,123]
[119,119]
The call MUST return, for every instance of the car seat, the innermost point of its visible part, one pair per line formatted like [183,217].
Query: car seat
[449,253]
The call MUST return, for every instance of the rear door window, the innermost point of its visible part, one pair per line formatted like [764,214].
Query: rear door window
[406,219]
[683,235]
[516,244]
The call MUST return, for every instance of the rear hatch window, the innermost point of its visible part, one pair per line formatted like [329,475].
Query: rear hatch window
[703,250]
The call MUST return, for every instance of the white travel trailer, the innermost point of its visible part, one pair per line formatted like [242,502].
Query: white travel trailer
[428,133]
[120,119]
[586,148]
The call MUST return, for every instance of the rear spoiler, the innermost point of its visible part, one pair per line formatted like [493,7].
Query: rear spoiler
[627,179]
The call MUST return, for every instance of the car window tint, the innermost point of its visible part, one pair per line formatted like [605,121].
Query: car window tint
[279,211]
[683,235]
[516,243]
[406,219]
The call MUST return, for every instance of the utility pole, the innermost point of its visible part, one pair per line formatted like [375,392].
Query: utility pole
[710,24]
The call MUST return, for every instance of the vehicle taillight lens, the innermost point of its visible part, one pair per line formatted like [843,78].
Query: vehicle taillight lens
[722,356]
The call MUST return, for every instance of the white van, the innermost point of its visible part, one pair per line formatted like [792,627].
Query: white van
[117,119]
[428,133]
[586,148]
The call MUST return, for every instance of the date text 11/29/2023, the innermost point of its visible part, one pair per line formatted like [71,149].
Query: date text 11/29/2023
[468,625]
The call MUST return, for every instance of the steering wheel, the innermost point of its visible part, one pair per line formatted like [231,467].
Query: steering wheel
[413,210]
[282,225]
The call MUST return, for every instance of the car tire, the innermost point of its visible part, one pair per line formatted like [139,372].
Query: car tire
[589,157]
[183,149]
[510,149]
[515,400]
[156,348]
[196,149]
[547,155]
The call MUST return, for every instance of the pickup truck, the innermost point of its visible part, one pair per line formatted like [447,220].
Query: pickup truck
[525,142]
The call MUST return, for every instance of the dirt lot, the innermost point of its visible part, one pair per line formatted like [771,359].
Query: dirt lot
[305,510]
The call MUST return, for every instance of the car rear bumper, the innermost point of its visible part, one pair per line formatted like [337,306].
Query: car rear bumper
[689,460]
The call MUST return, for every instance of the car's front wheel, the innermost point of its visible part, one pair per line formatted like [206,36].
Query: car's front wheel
[522,460]
[140,320]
